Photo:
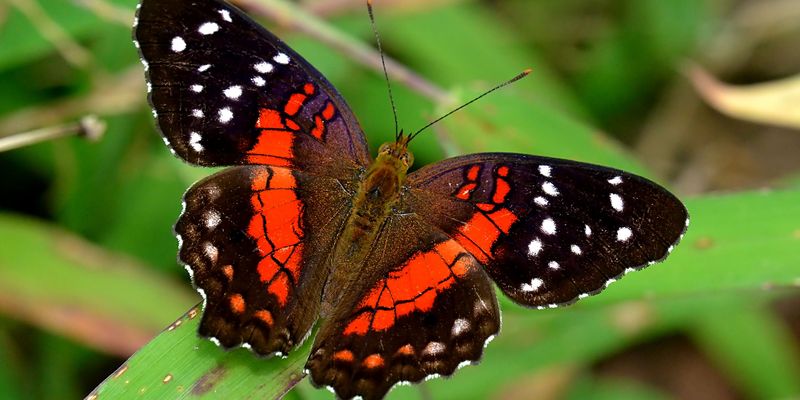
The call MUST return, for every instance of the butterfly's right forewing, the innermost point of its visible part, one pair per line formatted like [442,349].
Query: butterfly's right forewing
[548,231]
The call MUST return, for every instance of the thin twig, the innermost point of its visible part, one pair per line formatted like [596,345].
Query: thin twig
[108,12]
[89,127]
[295,18]
[120,94]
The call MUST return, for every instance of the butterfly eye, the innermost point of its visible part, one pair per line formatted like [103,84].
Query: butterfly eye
[407,159]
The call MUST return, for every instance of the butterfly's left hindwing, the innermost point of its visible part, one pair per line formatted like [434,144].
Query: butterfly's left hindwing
[548,231]
[255,240]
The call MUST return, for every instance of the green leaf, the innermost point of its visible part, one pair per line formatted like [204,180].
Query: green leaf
[179,365]
[56,280]
[768,343]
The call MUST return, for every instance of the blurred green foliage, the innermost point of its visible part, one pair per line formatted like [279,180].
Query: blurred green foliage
[87,258]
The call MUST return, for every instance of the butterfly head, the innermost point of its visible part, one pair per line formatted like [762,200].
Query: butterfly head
[395,154]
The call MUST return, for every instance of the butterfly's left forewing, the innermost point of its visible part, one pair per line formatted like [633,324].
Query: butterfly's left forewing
[548,231]
[225,91]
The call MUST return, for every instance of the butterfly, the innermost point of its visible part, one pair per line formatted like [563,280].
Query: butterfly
[304,228]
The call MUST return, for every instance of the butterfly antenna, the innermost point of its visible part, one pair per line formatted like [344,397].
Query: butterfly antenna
[506,83]
[383,63]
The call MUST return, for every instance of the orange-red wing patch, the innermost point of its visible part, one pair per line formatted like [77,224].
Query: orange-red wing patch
[406,350]
[327,112]
[274,145]
[501,189]
[412,287]
[464,192]
[264,316]
[269,119]
[373,361]
[236,303]
[482,230]
[276,227]
[472,173]
[343,355]
[228,271]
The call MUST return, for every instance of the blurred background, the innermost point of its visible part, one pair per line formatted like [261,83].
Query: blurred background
[700,95]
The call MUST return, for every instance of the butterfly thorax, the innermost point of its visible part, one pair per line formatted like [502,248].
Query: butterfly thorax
[378,192]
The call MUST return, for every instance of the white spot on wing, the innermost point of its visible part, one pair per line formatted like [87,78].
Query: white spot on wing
[587,230]
[534,247]
[178,44]
[550,189]
[575,249]
[226,15]
[623,234]
[535,284]
[211,251]
[553,265]
[615,180]
[616,201]
[541,201]
[263,67]
[208,28]
[281,58]
[194,141]
[259,81]
[212,219]
[225,115]
[460,326]
[233,92]
[196,88]
[215,341]
[204,67]
[545,170]
[549,226]
[434,348]
[198,113]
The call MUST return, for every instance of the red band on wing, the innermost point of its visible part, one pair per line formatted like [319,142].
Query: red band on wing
[479,233]
[276,228]
[413,287]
